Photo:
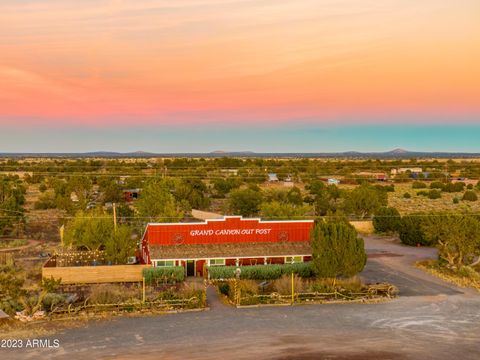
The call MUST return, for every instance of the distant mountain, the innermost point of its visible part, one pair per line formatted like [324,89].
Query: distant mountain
[229,153]
[393,154]
[398,151]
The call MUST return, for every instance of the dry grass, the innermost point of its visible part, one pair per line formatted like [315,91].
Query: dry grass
[447,275]
[423,204]
[284,284]
[113,294]
[249,287]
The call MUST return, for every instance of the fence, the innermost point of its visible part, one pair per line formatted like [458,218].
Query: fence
[95,274]
[371,292]
[163,305]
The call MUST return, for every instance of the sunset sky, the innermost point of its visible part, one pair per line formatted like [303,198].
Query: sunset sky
[260,75]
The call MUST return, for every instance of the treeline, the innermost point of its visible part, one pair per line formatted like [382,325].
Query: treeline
[457,236]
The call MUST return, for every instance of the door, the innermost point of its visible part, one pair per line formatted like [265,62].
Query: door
[190,267]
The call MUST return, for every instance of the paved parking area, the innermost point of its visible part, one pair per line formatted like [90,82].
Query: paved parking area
[431,320]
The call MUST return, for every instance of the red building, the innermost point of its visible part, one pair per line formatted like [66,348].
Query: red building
[231,240]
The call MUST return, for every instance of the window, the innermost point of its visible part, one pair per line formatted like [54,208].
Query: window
[295,259]
[163,263]
[216,262]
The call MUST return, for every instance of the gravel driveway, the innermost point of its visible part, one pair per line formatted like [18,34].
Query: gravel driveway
[430,320]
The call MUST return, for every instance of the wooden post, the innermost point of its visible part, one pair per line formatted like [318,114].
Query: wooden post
[114,206]
[293,289]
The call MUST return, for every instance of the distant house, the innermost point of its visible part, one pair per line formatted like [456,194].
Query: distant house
[379,176]
[413,170]
[233,172]
[272,177]
[131,194]
[333,181]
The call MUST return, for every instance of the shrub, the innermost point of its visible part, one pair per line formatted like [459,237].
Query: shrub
[454,187]
[386,219]
[411,231]
[455,200]
[261,272]
[167,274]
[469,272]
[46,201]
[224,288]
[407,196]
[470,187]
[437,185]
[11,289]
[386,188]
[470,196]
[434,194]
[51,300]
[419,185]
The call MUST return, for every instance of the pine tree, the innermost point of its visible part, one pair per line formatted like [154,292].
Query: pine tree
[337,250]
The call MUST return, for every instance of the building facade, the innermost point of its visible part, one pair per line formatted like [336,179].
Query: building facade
[231,240]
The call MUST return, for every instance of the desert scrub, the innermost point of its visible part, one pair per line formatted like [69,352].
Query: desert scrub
[113,294]
[344,286]
[283,285]
[466,276]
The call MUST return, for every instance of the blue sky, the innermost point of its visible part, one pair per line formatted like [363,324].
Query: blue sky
[281,138]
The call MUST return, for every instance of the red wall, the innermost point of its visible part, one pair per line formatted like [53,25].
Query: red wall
[217,232]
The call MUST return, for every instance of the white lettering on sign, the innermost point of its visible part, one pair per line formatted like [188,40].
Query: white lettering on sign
[230,232]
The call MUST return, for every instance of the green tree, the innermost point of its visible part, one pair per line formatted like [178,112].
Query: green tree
[294,196]
[386,219]
[12,199]
[337,250]
[157,203]
[112,192]
[81,186]
[89,230]
[364,200]
[120,245]
[457,238]
[95,231]
[411,231]
[223,186]
[277,210]
[245,202]
[193,191]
